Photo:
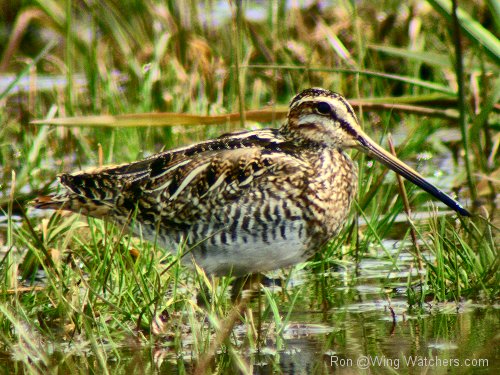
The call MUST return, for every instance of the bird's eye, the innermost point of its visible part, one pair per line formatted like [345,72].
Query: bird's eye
[323,108]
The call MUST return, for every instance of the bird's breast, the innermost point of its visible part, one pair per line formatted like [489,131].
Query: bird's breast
[329,195]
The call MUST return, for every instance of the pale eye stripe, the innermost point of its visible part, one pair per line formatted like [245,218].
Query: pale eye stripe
[185,182]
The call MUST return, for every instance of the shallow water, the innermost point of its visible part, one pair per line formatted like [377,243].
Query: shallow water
[358,338]
[355,333]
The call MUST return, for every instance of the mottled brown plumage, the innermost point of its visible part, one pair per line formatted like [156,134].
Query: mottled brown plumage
[247,202]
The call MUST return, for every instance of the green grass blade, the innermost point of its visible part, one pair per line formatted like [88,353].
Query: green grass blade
[27,68]
[431,58]
[471,28]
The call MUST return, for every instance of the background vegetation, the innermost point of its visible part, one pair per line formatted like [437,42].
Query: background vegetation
[413,70]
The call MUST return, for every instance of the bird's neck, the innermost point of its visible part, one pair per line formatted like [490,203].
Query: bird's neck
[287,131]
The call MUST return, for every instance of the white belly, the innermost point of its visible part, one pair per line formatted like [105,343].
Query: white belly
[249,253]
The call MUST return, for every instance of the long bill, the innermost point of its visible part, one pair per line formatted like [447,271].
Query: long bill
[366,145]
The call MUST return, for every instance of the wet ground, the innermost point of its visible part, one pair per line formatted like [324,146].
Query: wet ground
[368,328]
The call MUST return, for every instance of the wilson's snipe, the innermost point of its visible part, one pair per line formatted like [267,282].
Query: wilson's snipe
[250,201]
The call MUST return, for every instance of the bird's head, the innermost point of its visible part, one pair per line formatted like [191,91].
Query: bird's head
[322,118]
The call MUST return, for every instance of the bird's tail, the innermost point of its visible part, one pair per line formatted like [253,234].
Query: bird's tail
[83,193]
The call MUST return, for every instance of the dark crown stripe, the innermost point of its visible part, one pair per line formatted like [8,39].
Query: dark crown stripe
[313,93]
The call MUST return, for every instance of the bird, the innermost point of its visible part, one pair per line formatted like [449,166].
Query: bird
[246,202]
